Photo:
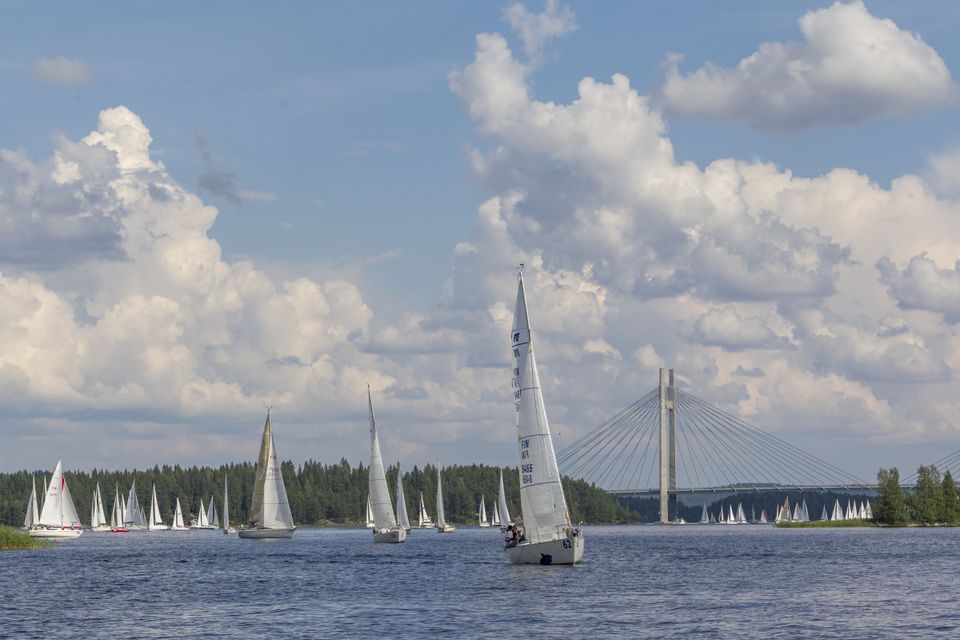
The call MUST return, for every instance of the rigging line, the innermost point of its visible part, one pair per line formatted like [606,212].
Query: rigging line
[624,459]
[811,460]
[738,458]
[808,459]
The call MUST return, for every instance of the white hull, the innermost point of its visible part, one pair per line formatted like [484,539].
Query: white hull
[207,527]
[485,524]
[179,528]
[164,528]
[563,551]
[446,529]
[101,529]
[62,534]
[229,531]
[393,535]
[265,533]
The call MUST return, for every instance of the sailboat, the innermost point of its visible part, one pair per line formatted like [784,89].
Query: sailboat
[763,516]
[370,523]
[482,513]
[226,509]
[178,524]
[270,515]
[823,513]
[33,511]
[868,511]
[549,536]
[58,516]
[155,522]
[116,519]
[212,518]
[385,527]
[98,518]
[442,526]
[402,518]
[502,505]
[837,511]
[201,522]
[495,520]
[741,516]
[704,517]
[423,518]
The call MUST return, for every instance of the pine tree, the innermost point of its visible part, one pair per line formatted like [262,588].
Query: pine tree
[926,502]
[951,502]
[891,509]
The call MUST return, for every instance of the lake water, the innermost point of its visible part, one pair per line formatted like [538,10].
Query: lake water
[636,581]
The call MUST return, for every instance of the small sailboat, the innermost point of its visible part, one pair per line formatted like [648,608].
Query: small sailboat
[423,518]
[116,518]
[58,516]
[741,516]
[370,523]
[482,513]
[212,518]
[823,513]
[270,515]
[178,524]
[442,526]
[704,516]
[201,522]
[98,517]
[868,511]
[549,536]
[502,505]
[385,527]
[837,511]
[33,511]
[226,509]
[495,521]
[132,520]
[402,518]
[155,522]
[763,516]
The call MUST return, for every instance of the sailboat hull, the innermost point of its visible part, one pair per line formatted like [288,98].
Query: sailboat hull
[392,535]
[446,529]
[484,524]
[564,551]
[60,534]
[262,534]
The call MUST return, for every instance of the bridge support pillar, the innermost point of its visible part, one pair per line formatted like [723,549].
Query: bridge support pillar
[668,478]
[671,427]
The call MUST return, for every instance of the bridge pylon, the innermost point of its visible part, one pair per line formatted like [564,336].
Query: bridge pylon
[668,448]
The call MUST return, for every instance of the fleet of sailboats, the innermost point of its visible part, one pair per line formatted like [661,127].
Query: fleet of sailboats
[270,515]
[549,537]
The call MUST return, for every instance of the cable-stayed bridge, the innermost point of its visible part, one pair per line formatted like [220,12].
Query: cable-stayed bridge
[671,442]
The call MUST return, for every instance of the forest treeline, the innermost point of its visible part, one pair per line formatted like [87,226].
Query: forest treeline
[319,493]
[934,499]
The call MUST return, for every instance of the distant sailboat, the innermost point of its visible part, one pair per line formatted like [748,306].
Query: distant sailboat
[423,518]
[132,518]
[868,511]
[502,505]
[741,516]
[385,527]
[763,516]
[226,509]
[370,522]
[201,522]
[178,524]
[495,521]
[402,518]
[155,522]
[442,526]
[549,536]
[482,513]
[116,519]
[823,514]
[704,516]
[213,519]
[270,515]
[33,511]
[98,516]
[837,511]
[58,516]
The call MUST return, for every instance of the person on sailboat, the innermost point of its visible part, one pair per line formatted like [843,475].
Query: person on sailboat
[512,538]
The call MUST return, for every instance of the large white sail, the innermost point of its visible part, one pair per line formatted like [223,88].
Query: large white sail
[275,508]
[482,513]
[502,504]
[202,516]
[441,517]
[101,512]
[94,514]
[58,509]
[116,521]
[178,517]
[131,514]
[402,518]
[383,516]
[33,511]
[155,521]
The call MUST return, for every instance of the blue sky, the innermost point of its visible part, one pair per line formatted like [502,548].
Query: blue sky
[330,141]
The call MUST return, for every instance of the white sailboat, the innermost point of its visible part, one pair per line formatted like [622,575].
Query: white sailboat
[495,521]
[837,511]
[370,523]
[549,536]
[423,518]
[385,527]
[868,511]
[116,518]
[178,524]
[270,515]
[201,522]
[58,516]
[704,516]
[402,518]
[741,516]
[442,526]
[212,518]
[482,513]
[132,515]
[823,513]
[98,518]
[763,516]
[226,509]
[155,522]
[33,511]
[502,505]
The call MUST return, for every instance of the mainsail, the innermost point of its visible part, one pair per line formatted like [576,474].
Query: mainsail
[178,517]
[212,519]
[274,508]
[482,513]
[116,521]
[33,511]
[155,521]
[402,519]
[257,502]
[544,507]
[383,516]
[502,504]
[423,518]
[202,521]
[441,518]
[704,517]
[496,516]
[131,513]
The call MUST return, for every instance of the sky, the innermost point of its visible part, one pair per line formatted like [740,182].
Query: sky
[208,210]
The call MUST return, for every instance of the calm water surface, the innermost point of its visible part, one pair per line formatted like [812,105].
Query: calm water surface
[642,581]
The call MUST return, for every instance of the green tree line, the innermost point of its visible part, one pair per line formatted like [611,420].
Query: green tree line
[319,493]
[934,499]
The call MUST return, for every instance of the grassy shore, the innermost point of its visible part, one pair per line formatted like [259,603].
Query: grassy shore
[821,524]
[11,539]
